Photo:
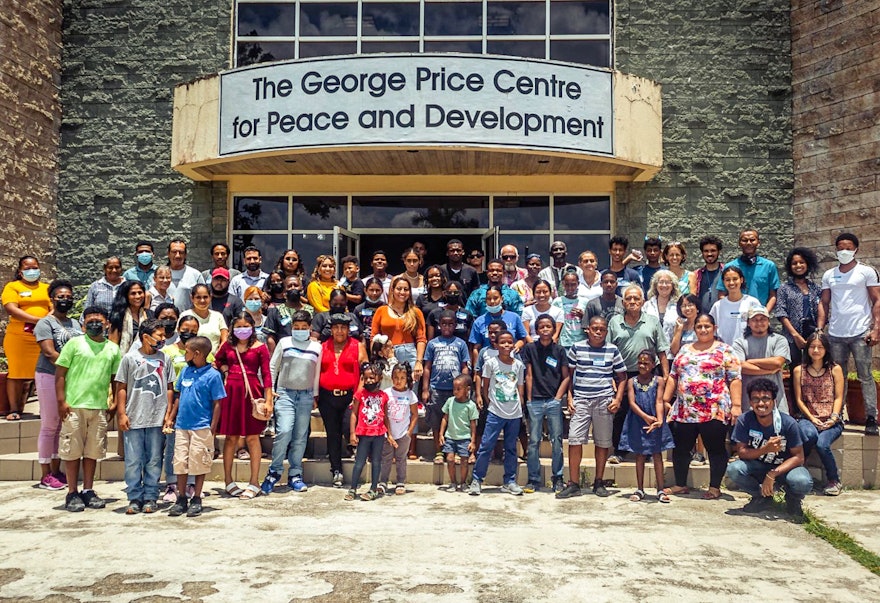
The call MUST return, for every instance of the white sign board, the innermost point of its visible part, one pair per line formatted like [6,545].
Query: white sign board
[416,99]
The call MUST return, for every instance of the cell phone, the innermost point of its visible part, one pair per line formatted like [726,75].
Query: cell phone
[29,327]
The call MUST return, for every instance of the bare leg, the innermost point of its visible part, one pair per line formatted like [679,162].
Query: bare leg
[72,468]
[14,391]
[640,471]
[575,454]
[89,467]
[450,466]
[230,445]
[200,481]
[256,452]
[601,459]
[463,471]
[658,470]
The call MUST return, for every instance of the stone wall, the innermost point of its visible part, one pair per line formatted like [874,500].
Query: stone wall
[121,61]
[836,124]
[725,71]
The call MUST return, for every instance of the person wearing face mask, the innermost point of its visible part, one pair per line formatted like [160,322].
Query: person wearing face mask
[221,300]
[253,276]
[364,312]
[144,393]
[479,337]
[273,288]
[168,315]
[453,298]
[295,369]
[851,305]
[143,270]
[338,305]
[761,275]
[253,305]
[279,317]
[52,333]
[26,300]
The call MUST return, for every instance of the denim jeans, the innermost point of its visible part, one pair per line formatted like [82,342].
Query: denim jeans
[368,447]
[822,441]
[494,426]
[293,414]
[143,462]
[861,353]
[748,476]
[539,408]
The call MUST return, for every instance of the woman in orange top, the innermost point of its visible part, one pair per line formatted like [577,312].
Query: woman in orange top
[26,300]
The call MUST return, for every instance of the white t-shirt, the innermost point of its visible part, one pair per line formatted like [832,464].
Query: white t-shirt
[398,410]
[850,311]
[530,313]
[731,317]
[587,293]
[209,327]
[182,282]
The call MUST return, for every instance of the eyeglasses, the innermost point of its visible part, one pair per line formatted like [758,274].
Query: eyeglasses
[508,257]
[756,399]
[474,256]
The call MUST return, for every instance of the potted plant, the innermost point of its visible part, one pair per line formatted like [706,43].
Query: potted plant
[4,399]
[855,404]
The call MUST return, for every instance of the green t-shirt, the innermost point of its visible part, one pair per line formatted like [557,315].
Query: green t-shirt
[90,367]
[458,425]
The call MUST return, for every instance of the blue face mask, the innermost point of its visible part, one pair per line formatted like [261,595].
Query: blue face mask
[494,309]
[145,258]
[253,305]
[300,334]
[31,275]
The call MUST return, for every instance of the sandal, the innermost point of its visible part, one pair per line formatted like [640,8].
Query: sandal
[381,489]
[412,457]
[243,455]
[369,495]
[233,489]
[663,497]
[400,489]
[710,495]
[13,416]
[676,491]
[438,458]
[350,494]
[250,491]
[637,496]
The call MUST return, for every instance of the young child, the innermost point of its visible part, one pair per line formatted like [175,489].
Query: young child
[403,414]
[495,327]
[194,415]
[446,357]
[458,430]
[144,393]
[573,308]
[597,366]
[382,353]
[370,428]
[502,385]
[350,282]
[645,431]
[83,373]
[373,298]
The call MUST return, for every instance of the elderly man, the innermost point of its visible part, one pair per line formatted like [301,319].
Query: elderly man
[476,303]
[512,272]
[763,354]
[559,266]
[770,451]
[762,276]
[183,277]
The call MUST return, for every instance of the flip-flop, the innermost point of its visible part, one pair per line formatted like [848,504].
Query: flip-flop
[233,489]
[709,495]
[13,416]
[671,491]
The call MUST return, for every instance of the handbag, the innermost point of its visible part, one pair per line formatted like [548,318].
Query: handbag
[259,409]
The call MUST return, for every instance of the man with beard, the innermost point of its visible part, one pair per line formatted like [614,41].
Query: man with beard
[476,303]
[512,272]
[221,301]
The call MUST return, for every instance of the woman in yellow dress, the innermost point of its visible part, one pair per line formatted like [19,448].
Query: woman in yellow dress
[26,300]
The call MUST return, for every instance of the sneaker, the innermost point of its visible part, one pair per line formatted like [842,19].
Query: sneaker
[190,490]
[179,507]
[269,483]
[512,488]
[74,503]
[832,489]
[531,488]
[421,410]
[297,485]
[170,494]
[50,482]
[92,500]
[871,427]
[794,507]
[195,507]
[459,487]
[150,506]
[600,490]
[558,484]
[476,488]
[134,507]
[758,504]
[698,459]
[572,489]
[450,487]
[337,479]
[614,460]
[60,477]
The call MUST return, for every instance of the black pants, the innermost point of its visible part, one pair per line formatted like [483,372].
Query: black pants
[368,446]
[332,409]
[685,436]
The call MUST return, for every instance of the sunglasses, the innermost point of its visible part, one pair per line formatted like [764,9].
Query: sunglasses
[474,256]
[508,257]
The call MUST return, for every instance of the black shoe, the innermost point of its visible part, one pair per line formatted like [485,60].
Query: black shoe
[871,427]
[195,507]
[758,504]
[600,490]
[794,507]
[178,508]
[572,489]
[134,507]
[74,503]
[92,500]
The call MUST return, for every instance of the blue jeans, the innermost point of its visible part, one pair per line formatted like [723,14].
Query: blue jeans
[293,414]
[822,441]
[748,476]
[861,352]
[539,408]
[143,462]
[494,425]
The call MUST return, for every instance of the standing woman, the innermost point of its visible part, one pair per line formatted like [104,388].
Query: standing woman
[211,324]
[102,292]
[52,332]
[591,278]
[253,305]
[705,384]
[289,264]
[434,295]
[26,300]
[323,282]
[797,301]
[128,312]
[341,358]
[674,256]
[525,286]
[663,294]
[404,325]
[731,312]
[244,362]
[542,292]
[411,261]
[688,307]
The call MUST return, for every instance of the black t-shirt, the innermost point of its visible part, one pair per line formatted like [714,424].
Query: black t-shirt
[467,277]
[708,294]
[546,363]
[463,322]
[321,325]
[364,313]
[229,306]
[354,288]
[749,431]
[599,307]
[278,322]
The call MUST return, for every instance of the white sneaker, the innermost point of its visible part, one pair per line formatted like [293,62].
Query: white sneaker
[512,488]
[475,488]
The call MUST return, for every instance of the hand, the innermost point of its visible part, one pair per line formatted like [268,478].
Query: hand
[479,402]
[653,424]
[315,403]
[819,424]
[767,486]
[63,410]
[774,444]
[393,442]
[353,440]
[577,312]
[679,324]
[417,371]
[472,448]
[614,406]
[799,341]
[426,396]
[873,337]
[442,440]
[270,408]
[123,423]
[571,406]
[735,412]
[168,426]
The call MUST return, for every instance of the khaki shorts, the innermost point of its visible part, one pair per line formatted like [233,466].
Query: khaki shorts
[83,435]
[193,451]
[593,411]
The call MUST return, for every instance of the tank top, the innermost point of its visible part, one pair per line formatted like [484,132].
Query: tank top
[818,393]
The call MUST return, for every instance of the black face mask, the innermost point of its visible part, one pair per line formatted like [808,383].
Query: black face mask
[169,328]
[95,328]
[185,336]
[451,299]
[64,305]
[293,295]
[371,387]
[276,287]
[334,309]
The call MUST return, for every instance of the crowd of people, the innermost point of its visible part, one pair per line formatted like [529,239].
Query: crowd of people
[646,355]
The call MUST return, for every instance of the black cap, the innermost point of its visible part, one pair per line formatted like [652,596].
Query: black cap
[340,319]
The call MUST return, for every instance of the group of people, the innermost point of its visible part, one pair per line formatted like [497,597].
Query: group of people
[646,355]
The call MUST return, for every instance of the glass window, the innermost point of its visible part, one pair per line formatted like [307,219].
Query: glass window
[576,243]
[517,213]
[582,213]
[586,52]
[266,19]
[515,18]
[420,212]
[390,19]
[533,49]
[526,244]
[376,47]
[260,213]
[328,19]
[250,53]
[472,46]
[310,246]
[579,18]
[319,213]
[454,19]
[325,49]
[271,247]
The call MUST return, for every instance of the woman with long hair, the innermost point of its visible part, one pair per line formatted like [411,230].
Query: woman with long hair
[674,256]
[211,323]
[323,282]
[797,301]
[411,264]
[433,296]
[128,312]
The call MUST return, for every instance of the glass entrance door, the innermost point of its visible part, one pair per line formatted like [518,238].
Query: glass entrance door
[345,242]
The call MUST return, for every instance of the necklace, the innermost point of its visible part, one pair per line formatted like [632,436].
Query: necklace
[643,386]
[810,370]
[337,352]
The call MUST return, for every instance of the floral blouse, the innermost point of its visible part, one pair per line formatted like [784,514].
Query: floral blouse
[704,377]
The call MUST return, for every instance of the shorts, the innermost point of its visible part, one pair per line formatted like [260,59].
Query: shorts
[434,408]
[83,435]
[459,447]
[193,451]
[593,411]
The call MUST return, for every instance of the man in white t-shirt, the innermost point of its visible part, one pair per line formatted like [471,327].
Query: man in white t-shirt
[183,277]
[851,298]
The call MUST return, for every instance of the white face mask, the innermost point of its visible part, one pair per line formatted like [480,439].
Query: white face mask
[845,256]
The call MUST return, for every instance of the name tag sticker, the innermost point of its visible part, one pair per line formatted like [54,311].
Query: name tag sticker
[367,311]
[186,383]
[285,320]
[352,328]
[461,315]
[552,362]
[24,294]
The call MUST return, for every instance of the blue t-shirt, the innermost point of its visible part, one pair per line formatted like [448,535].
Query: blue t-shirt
[762,277]
[646,273]
[199,388]
[750,432]
[446,357]
[480,328]
[626,277]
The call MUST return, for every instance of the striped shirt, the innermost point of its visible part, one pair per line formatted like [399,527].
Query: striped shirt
[594,369]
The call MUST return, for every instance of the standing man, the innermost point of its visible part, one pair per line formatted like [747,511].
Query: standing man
[512,272]
[252,277]
[421,251]
[476,303]
[183,277]
[606,305]
[143,270]
[559,266]
[653,250]
[456,270]
[707,276]
[617,247]
[221,301]
[762,276]
[762,354]
[475,261]
[851,299]
[220,257]
[379,263]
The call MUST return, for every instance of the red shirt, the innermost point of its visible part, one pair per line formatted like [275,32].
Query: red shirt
[343,373]
[371,408]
